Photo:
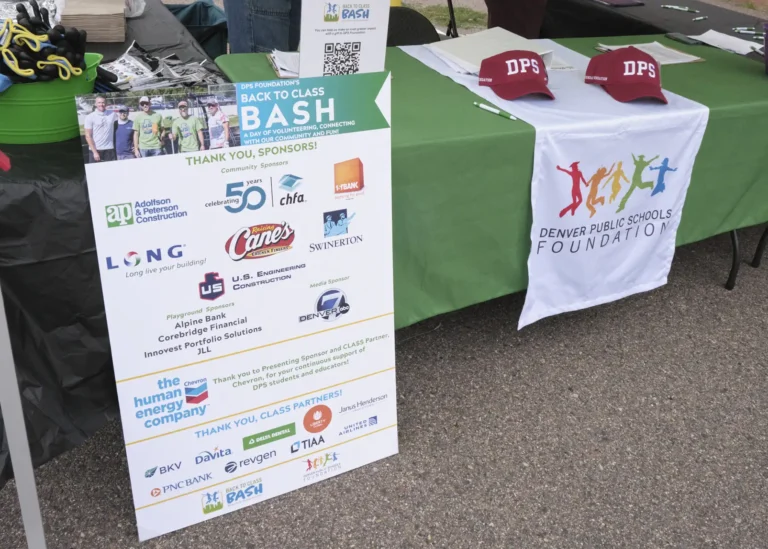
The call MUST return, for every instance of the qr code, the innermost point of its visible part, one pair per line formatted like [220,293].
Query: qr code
[341,58]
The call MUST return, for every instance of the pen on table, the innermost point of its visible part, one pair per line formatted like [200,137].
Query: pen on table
[700,18]
[494,111]
[744,28]
[747,32]
[679,8]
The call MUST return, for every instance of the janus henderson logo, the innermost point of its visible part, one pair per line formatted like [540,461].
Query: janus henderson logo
[260,241]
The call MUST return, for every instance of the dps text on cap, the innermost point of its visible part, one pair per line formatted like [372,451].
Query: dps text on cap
[515,73]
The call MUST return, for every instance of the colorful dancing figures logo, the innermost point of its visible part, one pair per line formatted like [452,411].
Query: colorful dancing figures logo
[613,175]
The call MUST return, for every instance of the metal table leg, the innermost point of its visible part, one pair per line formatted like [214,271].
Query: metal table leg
[735,263]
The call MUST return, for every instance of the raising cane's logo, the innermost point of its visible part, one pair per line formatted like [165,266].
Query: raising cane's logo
[260,241]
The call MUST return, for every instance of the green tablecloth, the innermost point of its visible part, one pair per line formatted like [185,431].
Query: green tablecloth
[461,177]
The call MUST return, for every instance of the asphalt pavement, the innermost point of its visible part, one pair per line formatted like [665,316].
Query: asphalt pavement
[641,423]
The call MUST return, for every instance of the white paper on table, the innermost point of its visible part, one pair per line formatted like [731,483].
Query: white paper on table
[287,61]
[465,54]
[661,53]
[728,43]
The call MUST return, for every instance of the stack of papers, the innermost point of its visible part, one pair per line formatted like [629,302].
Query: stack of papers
[103,19]
[465,54]
[728,43]
[661,53]
[285,63]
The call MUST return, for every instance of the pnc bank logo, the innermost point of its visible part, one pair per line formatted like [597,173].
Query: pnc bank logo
[153,255]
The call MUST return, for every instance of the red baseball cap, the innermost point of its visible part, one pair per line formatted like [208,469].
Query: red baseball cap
[626,74]
[515,73]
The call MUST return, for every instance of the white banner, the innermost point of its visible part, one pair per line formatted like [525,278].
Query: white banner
[248,292]
[608,187]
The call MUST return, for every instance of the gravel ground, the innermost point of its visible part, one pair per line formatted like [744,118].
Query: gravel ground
[642,423]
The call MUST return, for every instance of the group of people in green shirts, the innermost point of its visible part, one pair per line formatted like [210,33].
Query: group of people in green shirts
[148,134]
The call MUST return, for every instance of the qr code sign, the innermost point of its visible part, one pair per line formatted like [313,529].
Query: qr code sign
[341,58]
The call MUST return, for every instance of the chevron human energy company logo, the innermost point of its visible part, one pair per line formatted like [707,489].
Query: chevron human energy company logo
[196,391]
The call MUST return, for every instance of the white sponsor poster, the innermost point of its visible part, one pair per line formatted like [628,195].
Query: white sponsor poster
[343,38]
[245,251]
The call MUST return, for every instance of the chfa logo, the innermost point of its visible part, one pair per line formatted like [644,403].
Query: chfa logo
[119,215]
[317,418]
[212,502]
[336,223]
[196,391]
[348,177]
[253,197]
[133,259]
[260,241]
[330,12]
[290,182]
[212,288]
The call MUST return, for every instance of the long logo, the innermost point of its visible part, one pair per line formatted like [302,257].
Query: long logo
[260,241]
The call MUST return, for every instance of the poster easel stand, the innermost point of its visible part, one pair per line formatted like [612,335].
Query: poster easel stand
[16,431]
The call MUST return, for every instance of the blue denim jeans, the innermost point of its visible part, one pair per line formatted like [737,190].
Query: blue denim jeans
[263,25]
[150,152]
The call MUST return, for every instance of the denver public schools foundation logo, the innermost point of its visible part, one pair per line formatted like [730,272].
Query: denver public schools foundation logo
[317,418]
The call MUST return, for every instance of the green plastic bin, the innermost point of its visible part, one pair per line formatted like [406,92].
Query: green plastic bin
[45,112]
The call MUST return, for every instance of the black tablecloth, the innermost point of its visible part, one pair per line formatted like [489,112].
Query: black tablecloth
[586,18]
[49,273]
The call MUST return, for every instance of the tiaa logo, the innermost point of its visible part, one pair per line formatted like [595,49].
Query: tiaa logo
[260,241]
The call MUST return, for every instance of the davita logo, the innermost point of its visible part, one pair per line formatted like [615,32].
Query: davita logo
[196,391]
[331,305]
[317,418]
[212,502]
[205,457]
[212,288]
[260,241]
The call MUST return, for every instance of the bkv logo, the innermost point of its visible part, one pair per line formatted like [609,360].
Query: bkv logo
[134,259]
[212,288]
[615,176]
[119,215]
